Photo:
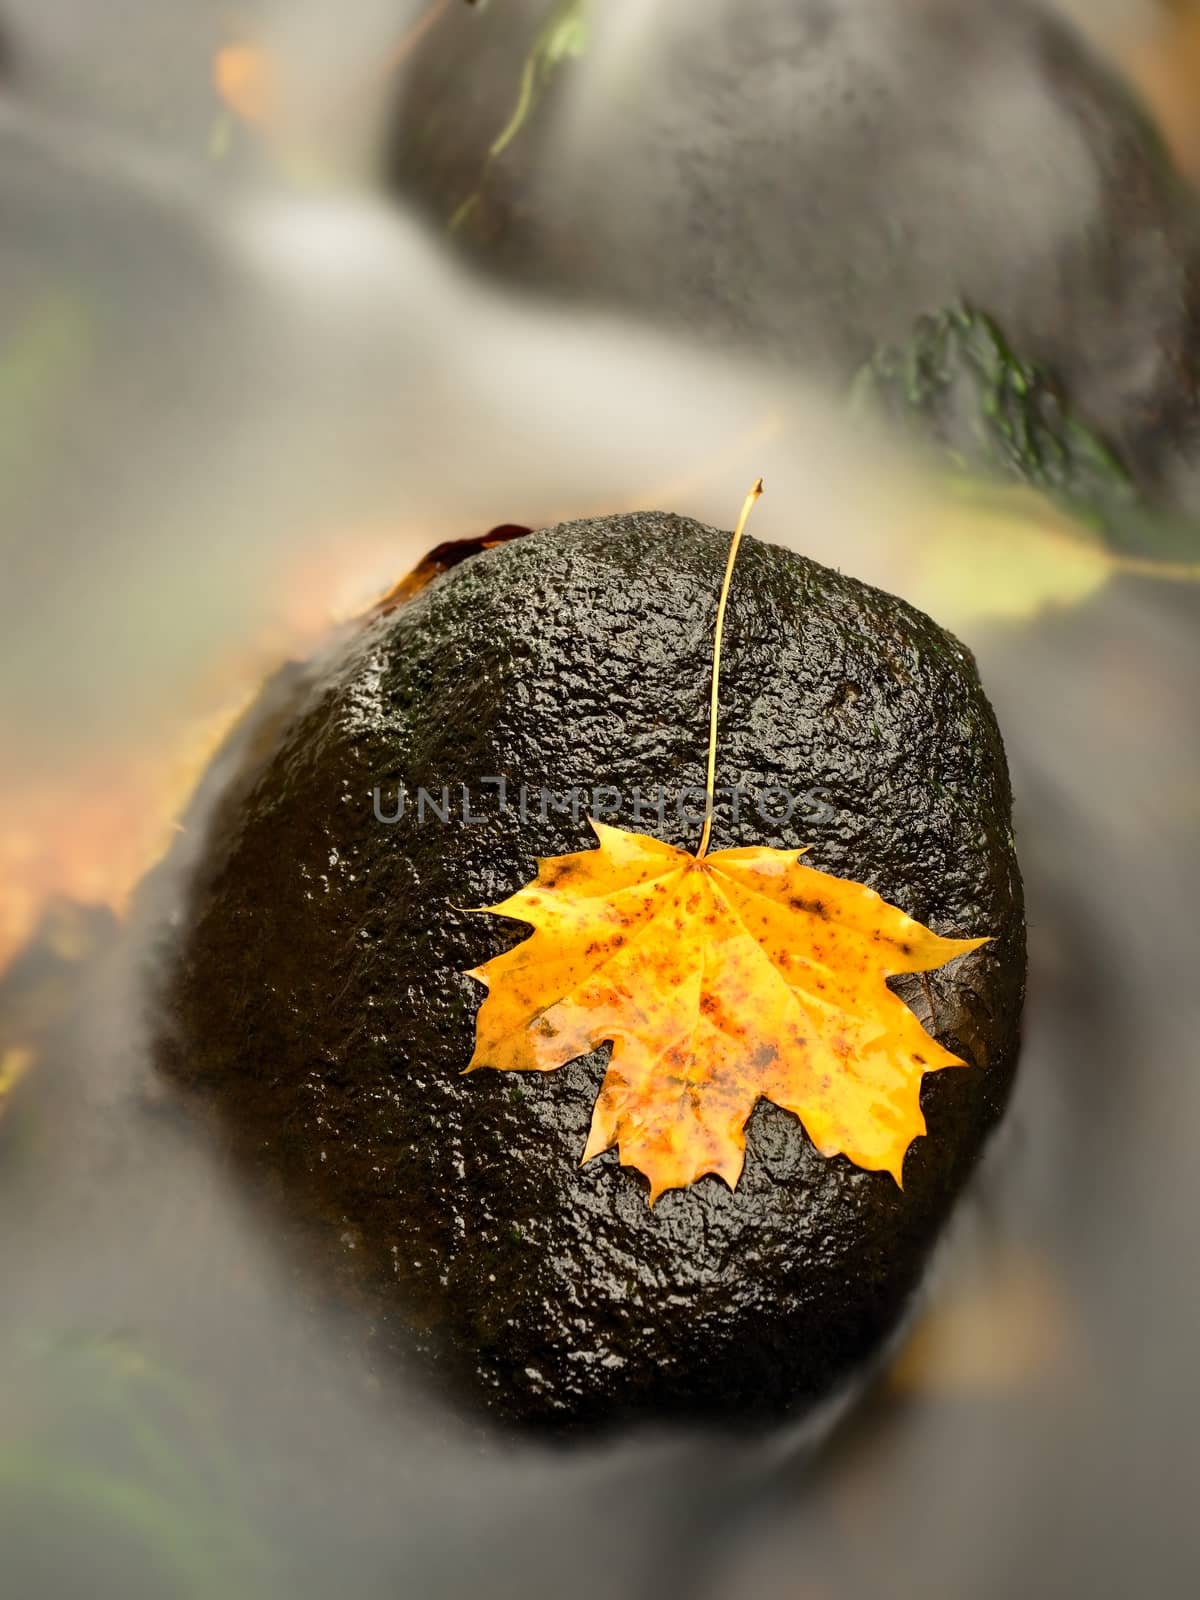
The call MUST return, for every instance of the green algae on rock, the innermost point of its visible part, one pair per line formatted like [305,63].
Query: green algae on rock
[958,383]
[317,992]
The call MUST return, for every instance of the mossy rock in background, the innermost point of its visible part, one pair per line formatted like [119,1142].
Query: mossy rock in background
[957,385]
[111,1464]
[317,993]
[799,182]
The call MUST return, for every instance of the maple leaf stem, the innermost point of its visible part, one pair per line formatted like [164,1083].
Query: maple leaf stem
[711,778]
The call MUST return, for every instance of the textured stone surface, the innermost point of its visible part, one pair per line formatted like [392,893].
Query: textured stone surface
[318,992]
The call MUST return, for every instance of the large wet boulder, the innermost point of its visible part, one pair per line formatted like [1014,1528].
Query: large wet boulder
[317,992]
[800,181]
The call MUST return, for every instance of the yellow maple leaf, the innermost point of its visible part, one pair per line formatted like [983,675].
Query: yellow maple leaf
[719,980]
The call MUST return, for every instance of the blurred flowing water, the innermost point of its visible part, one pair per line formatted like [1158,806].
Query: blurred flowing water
[238,382]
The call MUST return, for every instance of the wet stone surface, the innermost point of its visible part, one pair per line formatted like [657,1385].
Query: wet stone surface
[316,995]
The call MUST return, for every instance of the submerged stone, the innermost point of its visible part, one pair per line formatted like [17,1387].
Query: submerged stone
[317,991]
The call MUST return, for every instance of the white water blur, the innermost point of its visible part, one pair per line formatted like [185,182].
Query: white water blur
[254,369]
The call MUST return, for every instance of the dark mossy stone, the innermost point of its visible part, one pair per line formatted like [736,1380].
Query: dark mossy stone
[957,385]
[800,182]
[318,989]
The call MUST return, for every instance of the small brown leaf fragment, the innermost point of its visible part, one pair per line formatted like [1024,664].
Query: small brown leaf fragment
[442,558]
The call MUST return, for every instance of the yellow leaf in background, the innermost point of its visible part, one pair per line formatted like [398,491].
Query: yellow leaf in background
[14,1064]
[1006,1329]
[260,86]
[1001,553]
[1164,62]
[245,79]
[991,552]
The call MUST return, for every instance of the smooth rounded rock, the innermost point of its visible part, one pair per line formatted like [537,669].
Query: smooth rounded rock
[317,992]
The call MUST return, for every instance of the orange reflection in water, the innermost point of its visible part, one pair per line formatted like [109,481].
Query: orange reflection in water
[89,831]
